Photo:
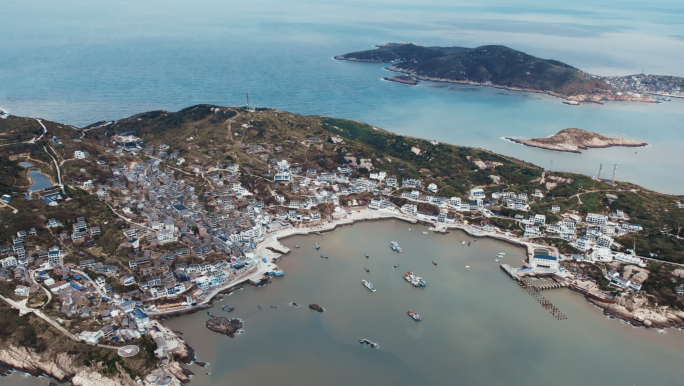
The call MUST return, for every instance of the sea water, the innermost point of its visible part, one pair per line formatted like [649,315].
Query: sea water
[478,326]
[78,62]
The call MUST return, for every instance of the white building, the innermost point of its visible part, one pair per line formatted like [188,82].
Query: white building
[544,261]
[90,336]
[601,254]
[79,154]
[164,237]
[604,241]
[539,219]
[628,258]
[409,208]
[595,219]
[477,193]
[432,188]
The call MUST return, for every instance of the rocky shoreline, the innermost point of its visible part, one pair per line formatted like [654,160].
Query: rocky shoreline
[61,368]
[596,98]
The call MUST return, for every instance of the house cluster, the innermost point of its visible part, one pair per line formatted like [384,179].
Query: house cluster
[19,259]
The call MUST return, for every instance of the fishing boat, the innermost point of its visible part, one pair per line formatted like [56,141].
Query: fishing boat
[368,285]
[434,263]
[413,315]
[395,247]
[497,260]
[409,229]
[468,243]
[396,265]
[425,232]
[317,246]
[325,257]
[463,242]
[367,270]
[368,342]
[415,280]
[210,314]
[366,255]
[228,308]
[296,246]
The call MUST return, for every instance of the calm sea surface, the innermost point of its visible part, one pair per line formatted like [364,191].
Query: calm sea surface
[78,61]
[479,327]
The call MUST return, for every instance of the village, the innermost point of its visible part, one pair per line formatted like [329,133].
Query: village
[190,233]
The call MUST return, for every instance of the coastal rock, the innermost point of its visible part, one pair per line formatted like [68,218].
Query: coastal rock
[316,307]
[639,310]
[573,140]
[60,367]
[635,274]
[224,325]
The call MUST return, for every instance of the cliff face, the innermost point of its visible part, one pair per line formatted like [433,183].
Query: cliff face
[61,367]
[572,140]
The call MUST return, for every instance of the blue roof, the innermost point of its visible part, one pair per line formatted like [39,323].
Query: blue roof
[546,257]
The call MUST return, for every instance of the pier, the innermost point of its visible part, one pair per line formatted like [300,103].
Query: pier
[535,291]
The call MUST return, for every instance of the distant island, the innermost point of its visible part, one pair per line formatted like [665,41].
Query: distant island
[573,140]
[503,67]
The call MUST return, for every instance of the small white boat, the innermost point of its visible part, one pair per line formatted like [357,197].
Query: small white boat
[425,232]
[463,242]
[497,260]
[410,230]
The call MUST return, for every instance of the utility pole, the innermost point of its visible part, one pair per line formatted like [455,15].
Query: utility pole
[248,100]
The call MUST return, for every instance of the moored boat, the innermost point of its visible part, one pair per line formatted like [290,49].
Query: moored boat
[395,247]
[228,308]
[413,315]
[368,342]
[415,280]
[425,232]
[368,285]
[317,246]
[367,270]
[434,263]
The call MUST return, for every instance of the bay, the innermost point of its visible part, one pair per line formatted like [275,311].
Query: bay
[78,62]
[479,327]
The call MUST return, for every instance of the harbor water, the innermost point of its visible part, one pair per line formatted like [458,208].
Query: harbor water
[79,62]
[478,326]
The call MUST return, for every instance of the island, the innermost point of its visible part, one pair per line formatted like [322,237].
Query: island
[402,79]
[206,194]
[573,140]
[224,325]
[503,67]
